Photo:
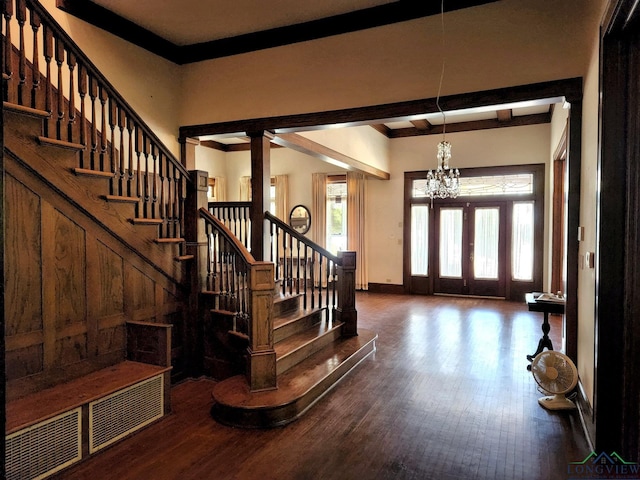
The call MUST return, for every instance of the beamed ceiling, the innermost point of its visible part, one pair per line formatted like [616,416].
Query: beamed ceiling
[186,31]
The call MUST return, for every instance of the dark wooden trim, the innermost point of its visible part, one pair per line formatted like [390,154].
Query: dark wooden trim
[534,119]
[554,90]
[386,288]
[119,26]
[617,331]
[231,147]
[381,15]
[309,147]
[3,375]
[574,165]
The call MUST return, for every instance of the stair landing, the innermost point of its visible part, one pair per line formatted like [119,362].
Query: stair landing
[298,388]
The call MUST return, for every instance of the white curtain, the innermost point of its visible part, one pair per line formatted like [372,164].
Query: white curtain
[220,189]
[245,189]
[319,208]
[356,235]
[282,197]
[319,218]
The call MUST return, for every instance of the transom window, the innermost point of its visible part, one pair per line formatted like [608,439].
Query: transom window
[512,184]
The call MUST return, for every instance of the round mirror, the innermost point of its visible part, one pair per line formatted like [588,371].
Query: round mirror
[300,219]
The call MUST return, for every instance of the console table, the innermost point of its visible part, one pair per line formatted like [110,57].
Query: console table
[546,307]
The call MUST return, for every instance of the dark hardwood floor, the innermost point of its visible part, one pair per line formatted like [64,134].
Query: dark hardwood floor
[445,396]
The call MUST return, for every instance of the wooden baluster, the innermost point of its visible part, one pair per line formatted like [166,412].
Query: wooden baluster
[7,13]
[139,192]
[183,199]
[93,94]
[170,215]
[35,73]
[298,268]
[82,90]
[122,166]
[306,274]
[312,271]
[147,185]
[21,17]
[334,271]
[320,280]
[130,129]
[48,93]
[113,113]
[154,190]
[209,249]
[60,61]
[71,63]
[164,165]
[103,127]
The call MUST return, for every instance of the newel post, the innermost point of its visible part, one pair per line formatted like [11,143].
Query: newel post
[196,245]
[261,367]
[346,310]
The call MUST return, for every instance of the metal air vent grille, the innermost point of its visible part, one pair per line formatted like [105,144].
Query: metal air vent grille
[42,449]
[121,413]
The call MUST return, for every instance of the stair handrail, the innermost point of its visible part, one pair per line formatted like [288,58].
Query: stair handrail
[47,20]
[245,287]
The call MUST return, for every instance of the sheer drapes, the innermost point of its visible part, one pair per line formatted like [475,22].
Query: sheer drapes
[245,189]
[319,208]
[220,189]
[282,197]
[356,235]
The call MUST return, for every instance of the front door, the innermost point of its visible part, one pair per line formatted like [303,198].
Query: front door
[470,253]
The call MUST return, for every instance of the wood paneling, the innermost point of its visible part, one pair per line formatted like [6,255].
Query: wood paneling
[71,287]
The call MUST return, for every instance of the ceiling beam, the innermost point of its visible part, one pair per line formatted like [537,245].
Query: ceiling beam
[386,14]
[422,124]
[505,115]
[309,147]
[554,90]
[534,119]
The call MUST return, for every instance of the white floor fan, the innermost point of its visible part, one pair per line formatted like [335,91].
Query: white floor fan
[556,374]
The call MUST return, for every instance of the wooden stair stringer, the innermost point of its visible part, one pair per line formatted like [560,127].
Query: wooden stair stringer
[299,388]
[44,162]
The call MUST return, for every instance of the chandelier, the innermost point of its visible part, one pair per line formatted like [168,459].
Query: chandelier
[444,182]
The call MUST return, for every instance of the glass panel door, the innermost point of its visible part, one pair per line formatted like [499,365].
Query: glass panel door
[451,242]
[487,223]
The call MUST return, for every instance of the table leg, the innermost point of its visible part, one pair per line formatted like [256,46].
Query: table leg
[545,341]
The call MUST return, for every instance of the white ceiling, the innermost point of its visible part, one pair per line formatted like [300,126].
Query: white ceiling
[185,22]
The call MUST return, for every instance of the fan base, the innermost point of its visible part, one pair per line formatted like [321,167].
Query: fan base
[556,402]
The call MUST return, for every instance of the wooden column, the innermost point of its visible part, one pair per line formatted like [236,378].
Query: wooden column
[261,368]
[260,186]
[196,245]
[346,310]
[188,152]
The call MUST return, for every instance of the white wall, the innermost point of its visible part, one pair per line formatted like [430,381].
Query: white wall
[588,202]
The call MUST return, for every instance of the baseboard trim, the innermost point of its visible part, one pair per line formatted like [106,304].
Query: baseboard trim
[386,288]
[586,415]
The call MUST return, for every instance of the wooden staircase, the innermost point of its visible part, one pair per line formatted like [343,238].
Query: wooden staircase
[311,357]
[55,163]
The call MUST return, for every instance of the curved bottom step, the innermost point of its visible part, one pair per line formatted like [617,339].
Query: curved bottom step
[298,388]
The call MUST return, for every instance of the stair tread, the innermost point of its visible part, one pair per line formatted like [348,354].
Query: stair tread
[169,240]
[299,340]
[93,173]
[120,198]
[60,143]
[290,317]
[34,112]
[298,387]
[147,221]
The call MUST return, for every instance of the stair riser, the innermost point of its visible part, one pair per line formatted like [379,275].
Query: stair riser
[286,362]
[296,326]
[287,305]
[268,417]
[24,125]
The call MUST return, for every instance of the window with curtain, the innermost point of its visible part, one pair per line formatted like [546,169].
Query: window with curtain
[336,214]
[420,240]
[485,245]
[451,242]
[522,253]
